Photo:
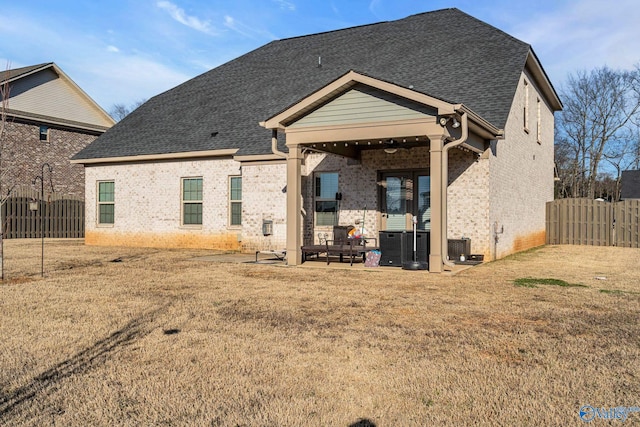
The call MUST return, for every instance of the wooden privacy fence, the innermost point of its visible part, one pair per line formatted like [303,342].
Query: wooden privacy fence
[592,222]
[59,216]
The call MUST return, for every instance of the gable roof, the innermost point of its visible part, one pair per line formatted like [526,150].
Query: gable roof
[396,101]
[45,94]
[445,54]
[17,72]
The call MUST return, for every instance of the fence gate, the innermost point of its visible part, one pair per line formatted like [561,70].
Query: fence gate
[592,222]
[27,214]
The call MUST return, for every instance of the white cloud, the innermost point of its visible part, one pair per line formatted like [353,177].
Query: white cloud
[125,79]
[583,36]
[90,62]
[190,21]
[246,30]
[285,5]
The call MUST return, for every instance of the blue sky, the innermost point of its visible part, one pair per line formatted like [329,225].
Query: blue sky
[122,51]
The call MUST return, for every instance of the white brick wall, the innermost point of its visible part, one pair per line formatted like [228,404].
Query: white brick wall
[147,204]
[521,175]
[264,197]
[468,200]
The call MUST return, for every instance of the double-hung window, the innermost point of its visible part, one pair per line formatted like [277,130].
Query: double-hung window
[106,202]
[235,201]
[192,201]
[326,203]
[44,133]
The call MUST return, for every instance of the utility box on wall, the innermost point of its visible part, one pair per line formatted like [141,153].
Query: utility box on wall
[267,227]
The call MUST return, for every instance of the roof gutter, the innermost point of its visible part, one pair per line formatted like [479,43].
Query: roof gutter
[53,121]
[274,144]
[464,122]
[157,157]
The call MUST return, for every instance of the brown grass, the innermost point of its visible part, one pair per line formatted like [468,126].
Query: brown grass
[165,338]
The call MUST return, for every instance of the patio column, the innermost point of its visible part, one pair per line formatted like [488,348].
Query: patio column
[294,205]
[435,152]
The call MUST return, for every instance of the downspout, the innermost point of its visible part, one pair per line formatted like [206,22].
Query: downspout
[445,184]
[274,144]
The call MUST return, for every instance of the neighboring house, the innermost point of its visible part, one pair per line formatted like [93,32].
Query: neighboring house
[630,185]
[49,119]
[438,116]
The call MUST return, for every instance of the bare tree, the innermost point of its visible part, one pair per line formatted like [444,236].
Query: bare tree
[598,123]
[120,111]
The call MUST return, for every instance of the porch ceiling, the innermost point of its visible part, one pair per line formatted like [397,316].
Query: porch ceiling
[354,148]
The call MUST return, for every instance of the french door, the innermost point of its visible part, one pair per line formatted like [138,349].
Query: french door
[403,195]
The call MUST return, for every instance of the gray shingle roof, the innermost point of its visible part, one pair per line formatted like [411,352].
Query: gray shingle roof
[446,54]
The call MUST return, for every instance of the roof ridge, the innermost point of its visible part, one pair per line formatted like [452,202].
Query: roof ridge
[366,25]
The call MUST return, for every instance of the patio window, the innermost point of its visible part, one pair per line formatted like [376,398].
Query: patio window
[326,203]
[424,202]
[106,202]
[191,201]
[235,201]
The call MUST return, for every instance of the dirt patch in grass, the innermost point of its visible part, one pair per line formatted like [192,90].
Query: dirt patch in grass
[533,282]
[160,337]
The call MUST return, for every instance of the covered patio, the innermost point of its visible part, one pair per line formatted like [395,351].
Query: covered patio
[356,114]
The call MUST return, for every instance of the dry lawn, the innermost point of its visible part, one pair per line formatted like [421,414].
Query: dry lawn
[165,338]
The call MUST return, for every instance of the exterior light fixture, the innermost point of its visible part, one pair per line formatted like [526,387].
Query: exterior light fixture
[454,122]
[391,146]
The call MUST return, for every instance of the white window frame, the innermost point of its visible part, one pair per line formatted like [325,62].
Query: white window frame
[233,202]
[100,203]
[184,202]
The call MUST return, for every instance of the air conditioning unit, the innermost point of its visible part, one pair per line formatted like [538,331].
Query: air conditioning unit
[457,247]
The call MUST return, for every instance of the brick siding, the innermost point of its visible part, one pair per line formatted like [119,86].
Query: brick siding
[504,189]
[148,205]
[521,176]
[23,155]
